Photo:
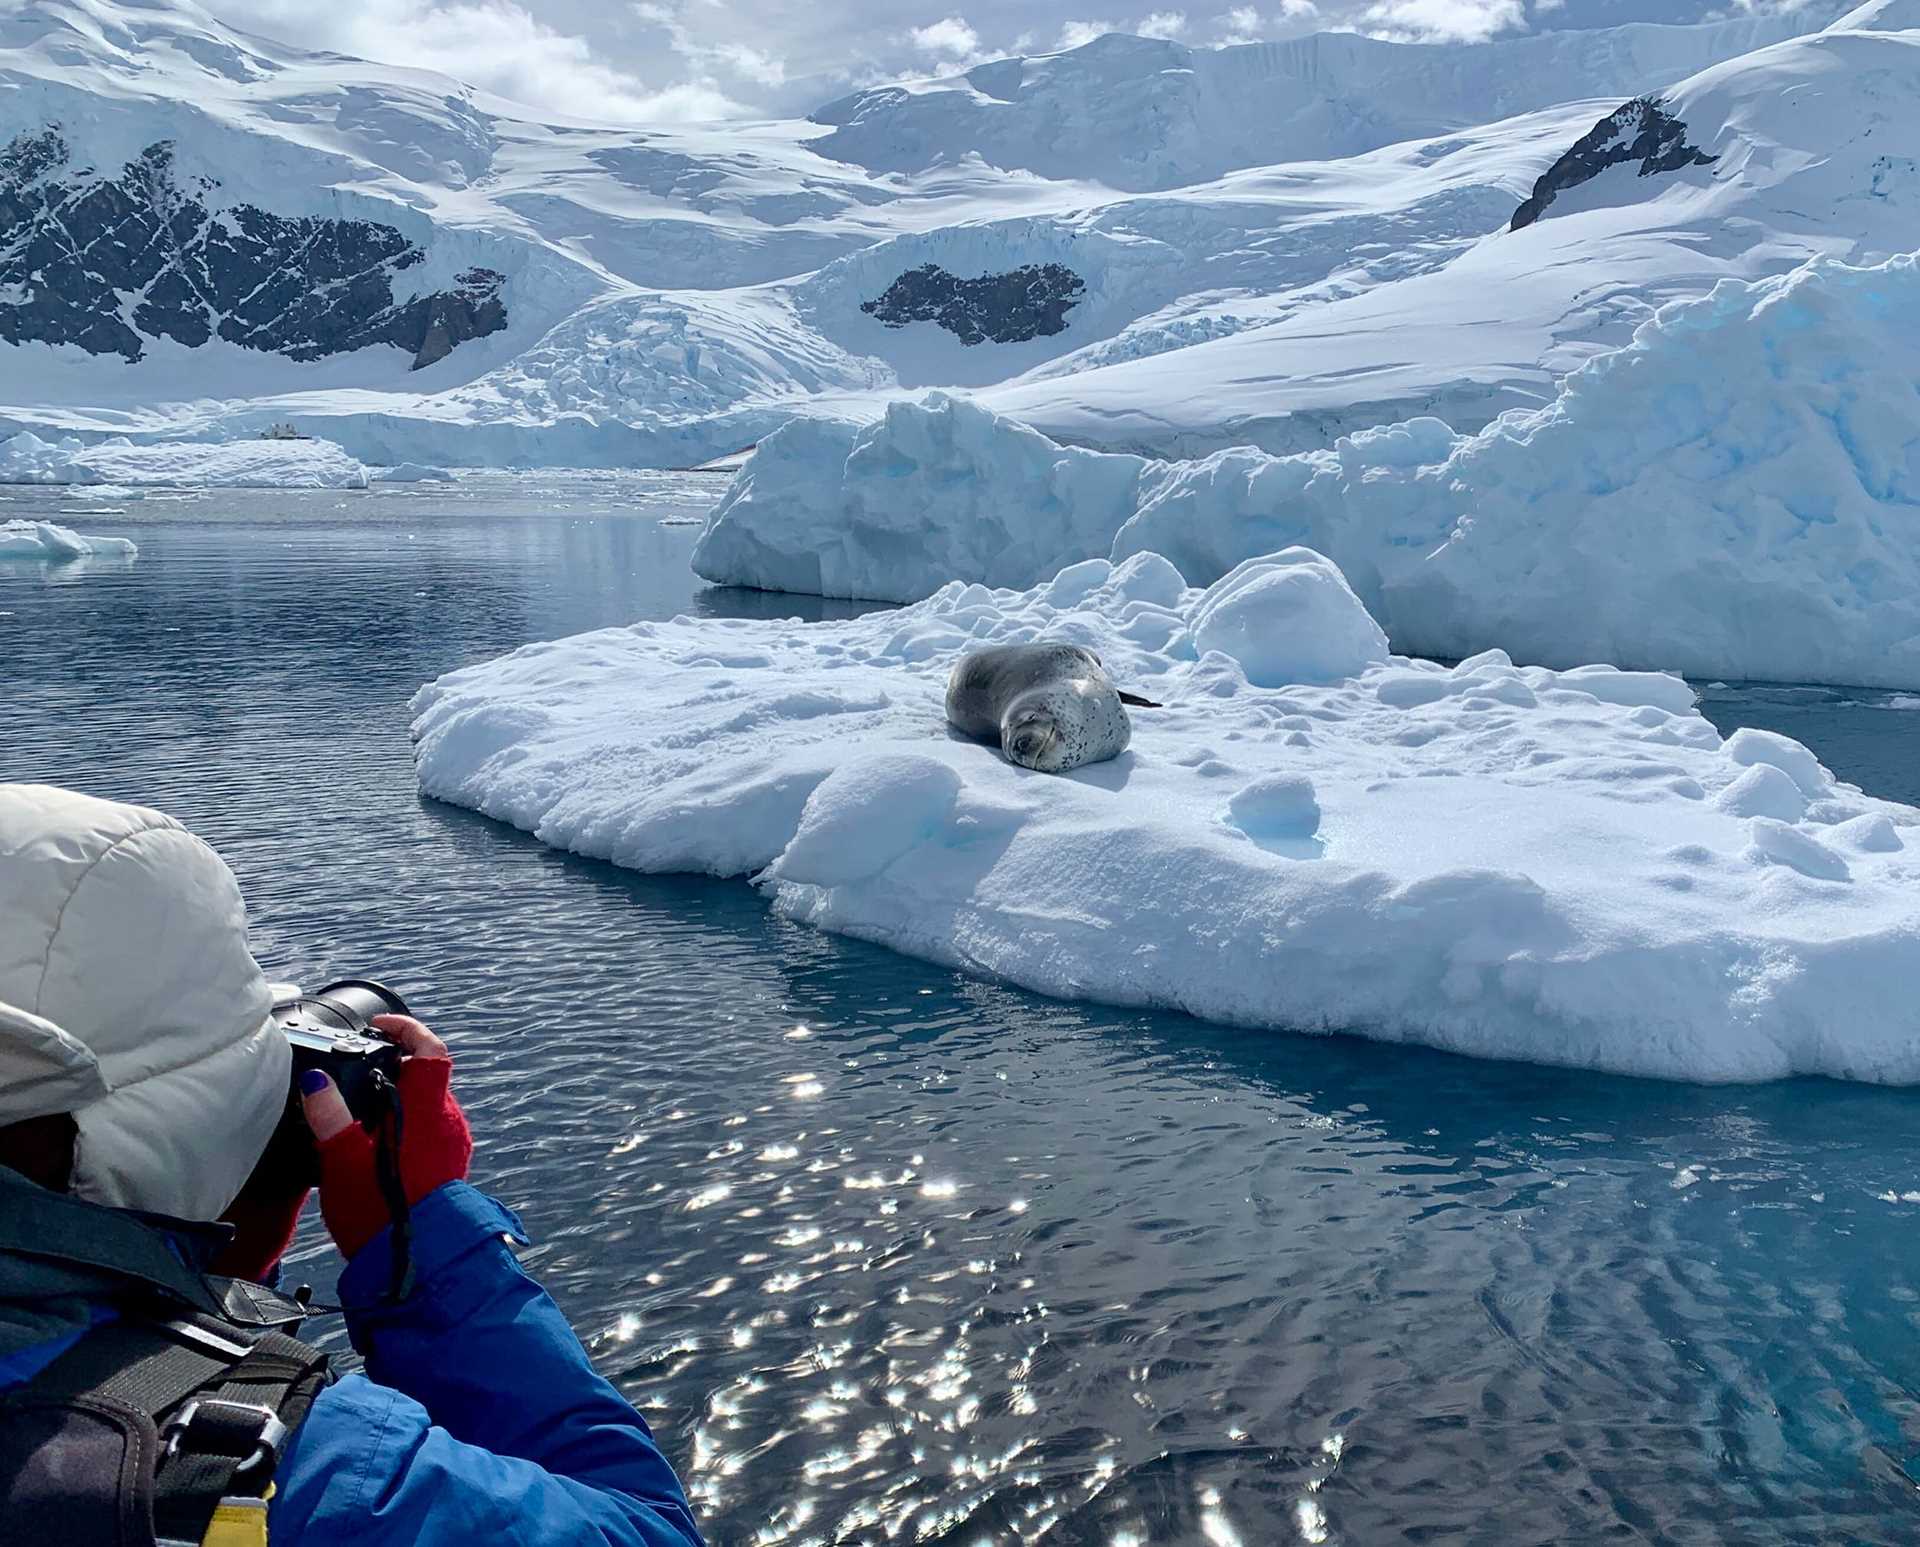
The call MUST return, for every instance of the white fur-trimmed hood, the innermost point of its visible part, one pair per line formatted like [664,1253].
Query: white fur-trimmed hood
[128,997]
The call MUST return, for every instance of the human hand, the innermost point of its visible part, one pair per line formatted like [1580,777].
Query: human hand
[435,1143]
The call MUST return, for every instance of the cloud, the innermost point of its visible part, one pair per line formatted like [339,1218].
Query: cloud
[704,58]
[641,60]
[1074,34]
[949,39]
[1443,21]
[1249,24]
[496,44]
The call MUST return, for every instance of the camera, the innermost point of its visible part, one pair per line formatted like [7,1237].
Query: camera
[330,1030]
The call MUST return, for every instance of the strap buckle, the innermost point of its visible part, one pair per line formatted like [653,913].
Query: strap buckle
[209,1426]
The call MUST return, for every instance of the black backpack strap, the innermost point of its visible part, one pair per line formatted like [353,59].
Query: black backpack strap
[228,1436]
[223,1404]
[51,1226]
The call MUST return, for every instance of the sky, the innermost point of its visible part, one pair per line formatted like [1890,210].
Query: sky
[652,60]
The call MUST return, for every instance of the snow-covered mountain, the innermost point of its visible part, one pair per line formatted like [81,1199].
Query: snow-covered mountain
[1129,244]
[1747,169]
[1145,113]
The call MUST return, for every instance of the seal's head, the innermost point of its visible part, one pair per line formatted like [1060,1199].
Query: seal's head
[1032,738]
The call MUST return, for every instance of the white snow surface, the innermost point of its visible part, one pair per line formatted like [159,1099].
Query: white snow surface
[1312,835]
[240,464]
[1280,242]
[1736,493]
[47,542]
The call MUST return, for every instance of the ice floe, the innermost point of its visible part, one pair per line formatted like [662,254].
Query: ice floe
[237,464]
[47,542]
[1568,866]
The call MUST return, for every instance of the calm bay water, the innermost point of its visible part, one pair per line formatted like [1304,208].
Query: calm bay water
[891,1255]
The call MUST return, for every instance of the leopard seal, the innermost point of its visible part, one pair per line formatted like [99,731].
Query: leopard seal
[1051,706]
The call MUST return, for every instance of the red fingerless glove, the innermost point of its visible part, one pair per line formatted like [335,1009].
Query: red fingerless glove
[435,1148]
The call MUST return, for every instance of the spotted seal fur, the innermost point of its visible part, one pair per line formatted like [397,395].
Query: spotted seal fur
[1051,706]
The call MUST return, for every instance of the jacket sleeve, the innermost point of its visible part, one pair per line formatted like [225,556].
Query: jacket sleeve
[369,1468]
[485,1351]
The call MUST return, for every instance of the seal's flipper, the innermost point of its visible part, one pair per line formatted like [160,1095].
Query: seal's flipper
[1137,702]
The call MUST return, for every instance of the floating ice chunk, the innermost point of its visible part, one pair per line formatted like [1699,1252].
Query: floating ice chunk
[1758,522]
[259,464]
[1289,617]
[411,472]
[1551,881]
[50,543]
[933,491]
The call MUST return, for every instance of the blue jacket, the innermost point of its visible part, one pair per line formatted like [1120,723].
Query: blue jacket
[479,1420]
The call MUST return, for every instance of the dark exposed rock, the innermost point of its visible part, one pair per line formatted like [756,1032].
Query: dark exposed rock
[1029,302]
[110,262]
[1641,130]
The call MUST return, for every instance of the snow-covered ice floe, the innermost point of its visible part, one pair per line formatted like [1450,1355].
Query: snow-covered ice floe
[46,542]
[1736,493]
[412,472]
[238,464]
[1570,867]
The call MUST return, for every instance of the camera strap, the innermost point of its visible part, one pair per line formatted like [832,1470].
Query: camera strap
[386,1165]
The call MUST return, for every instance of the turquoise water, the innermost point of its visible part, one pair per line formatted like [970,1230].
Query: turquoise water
[892,1255]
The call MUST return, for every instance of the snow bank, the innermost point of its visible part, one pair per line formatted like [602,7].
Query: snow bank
[48,543]
[1568,867]
[1736,493]
[240,464]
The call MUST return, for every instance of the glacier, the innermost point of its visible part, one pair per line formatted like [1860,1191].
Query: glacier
[1313,834]
[1736,493]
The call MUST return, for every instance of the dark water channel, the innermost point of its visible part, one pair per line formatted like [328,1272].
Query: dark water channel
[891,1255]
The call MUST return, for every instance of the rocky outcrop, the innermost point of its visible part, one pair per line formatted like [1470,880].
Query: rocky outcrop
[1640,131]
[110,263]
[1023,303]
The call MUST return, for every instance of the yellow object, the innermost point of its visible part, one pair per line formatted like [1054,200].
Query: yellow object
[238,1523]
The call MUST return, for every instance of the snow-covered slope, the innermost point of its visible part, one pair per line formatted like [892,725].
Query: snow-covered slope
[1804,150]
[455,278]
[1147,113]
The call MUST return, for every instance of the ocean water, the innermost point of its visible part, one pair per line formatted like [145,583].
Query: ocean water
[891,1255]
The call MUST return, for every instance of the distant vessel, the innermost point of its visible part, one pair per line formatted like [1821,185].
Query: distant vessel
[282,432]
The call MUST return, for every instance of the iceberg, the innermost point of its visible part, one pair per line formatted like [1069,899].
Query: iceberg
[412,472]
[239,464]
[47,542]
[1736,493]
[1312,835]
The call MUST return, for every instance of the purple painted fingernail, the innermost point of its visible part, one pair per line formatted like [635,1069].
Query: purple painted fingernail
[312,1082]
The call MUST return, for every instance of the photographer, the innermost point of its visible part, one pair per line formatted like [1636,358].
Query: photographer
[151,1389]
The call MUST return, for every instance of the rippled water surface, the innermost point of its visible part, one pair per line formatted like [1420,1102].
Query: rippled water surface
[890,1255]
